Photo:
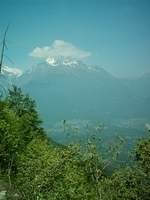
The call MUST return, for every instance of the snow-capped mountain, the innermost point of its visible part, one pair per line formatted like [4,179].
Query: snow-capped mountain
[59,66]
[66,88]
[10,76]
[72,62]
[80,90]
[11,72]
[54,65]
[63,67]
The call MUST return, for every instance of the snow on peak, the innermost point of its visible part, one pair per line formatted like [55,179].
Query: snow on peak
[55,61]
[12,71]
[70,62]
[51,60]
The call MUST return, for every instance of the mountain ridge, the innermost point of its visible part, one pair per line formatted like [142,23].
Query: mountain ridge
[56,66]
[69,89]
[62,65]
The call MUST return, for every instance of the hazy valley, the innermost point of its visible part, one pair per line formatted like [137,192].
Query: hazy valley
[67,89]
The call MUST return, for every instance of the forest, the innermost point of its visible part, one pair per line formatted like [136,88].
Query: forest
[33,166]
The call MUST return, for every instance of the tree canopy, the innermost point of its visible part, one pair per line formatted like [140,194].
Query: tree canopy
[38,169]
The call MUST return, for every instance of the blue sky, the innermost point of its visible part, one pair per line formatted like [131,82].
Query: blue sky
[114,34]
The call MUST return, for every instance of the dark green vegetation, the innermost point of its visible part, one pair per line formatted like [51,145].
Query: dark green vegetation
[40,169]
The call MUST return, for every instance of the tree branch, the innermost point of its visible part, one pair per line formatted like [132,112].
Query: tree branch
[3,46]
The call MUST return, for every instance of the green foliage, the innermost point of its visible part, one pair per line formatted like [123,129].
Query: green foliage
[20,103]
[19,124]
[143,155]
[142,158]
[52,173]
[25,108]
[10,137]
[40,170]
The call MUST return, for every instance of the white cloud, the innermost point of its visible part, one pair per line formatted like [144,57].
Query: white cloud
[59,48]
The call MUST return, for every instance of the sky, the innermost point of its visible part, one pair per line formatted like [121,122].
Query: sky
[113,34]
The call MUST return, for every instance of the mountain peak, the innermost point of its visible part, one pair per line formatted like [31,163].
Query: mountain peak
[55,61]
[51,60]
[12,71]
[66,66]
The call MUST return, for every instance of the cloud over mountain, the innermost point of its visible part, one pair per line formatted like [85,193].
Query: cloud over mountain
[59,48]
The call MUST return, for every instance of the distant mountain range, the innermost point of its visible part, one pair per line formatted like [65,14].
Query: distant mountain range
[66,88]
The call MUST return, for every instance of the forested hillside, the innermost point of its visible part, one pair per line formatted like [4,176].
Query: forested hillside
[75,100]
[33,167]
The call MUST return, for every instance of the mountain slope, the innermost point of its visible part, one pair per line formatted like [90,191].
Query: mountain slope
[10,75]
[62,67]
[69,89]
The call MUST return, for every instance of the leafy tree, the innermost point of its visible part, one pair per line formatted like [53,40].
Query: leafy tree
[19,125]
[20,103]
[52,173]
[40,170]
[10,137]
[25,108]
[142,158]
[143,155]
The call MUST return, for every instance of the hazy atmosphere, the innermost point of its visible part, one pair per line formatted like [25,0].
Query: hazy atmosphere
[75,99]
[114,35]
